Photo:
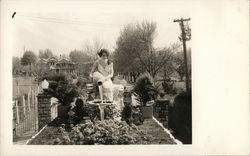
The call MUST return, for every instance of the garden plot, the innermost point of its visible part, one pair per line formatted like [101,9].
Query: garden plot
[105,133]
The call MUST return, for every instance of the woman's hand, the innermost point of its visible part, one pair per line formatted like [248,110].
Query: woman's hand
[91,75]
[106,78]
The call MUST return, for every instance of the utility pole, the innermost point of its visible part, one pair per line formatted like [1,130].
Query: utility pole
[184,38]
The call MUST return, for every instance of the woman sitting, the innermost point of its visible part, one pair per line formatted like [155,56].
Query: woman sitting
[102,72]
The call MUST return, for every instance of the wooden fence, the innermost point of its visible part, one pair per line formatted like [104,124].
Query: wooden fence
[25,121]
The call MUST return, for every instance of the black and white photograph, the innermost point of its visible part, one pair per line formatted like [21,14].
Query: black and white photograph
[103,73]
[105,76]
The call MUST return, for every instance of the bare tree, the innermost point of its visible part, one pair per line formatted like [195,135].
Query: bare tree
[47,53]
[135,48]
[91,49]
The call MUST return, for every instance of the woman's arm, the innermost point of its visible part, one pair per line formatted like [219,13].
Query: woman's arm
[93,69]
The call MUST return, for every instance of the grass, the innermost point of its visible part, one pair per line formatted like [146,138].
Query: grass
[155,132]
[24,84]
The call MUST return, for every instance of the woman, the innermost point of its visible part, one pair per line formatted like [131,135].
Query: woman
[102,72]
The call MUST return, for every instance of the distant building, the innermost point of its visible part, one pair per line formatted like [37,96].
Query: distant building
[65,66]
[62,65]
[52,61]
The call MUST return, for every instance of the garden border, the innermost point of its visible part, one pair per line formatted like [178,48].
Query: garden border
[34,136]
[178,142]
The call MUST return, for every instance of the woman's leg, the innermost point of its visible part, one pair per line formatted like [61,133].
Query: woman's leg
[108,89]
[99,78]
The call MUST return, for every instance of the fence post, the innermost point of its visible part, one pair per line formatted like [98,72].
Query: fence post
[36,112]
[32,95]
[17,112]
[37,89]
[35,96]
[18,89]
[23,100]
[28,101]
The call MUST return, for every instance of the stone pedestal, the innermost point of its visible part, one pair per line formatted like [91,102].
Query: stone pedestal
[102,106]
[44,110]
[147,112]
[161,111]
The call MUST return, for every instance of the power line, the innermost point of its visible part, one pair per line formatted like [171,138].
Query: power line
[37,20]
[66,21]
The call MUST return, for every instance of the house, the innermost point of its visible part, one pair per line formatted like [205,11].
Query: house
[62,65]
[65,66]
[52,61]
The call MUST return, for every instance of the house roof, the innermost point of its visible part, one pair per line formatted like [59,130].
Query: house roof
[52,59]
[64,60]
[57,62]
[43,60]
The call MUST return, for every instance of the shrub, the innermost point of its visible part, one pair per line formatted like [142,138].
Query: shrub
[82,109]
[108,132]
[168,87]
[81,82]
[79,111]
[132,114]
[111,112]
[180,117]
[74,76]
[61,87]
[145,89]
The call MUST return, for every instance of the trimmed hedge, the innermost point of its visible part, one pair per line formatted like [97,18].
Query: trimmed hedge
[180,117]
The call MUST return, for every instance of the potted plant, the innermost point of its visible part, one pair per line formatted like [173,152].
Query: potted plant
[145,91]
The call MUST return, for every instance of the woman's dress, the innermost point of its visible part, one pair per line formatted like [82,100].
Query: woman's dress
[107,84]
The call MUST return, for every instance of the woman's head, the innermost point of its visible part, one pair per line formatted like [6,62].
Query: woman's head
[103,53]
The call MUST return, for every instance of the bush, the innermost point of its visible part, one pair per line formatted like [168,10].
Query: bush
[81,82]
[108,132]
[79,111]
[74,76]
[132,115]
[111,112]
[61,87]
[168,87]
[145,89]
[82,109]
[180,117]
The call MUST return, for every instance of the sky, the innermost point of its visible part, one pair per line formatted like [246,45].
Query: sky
[68,26]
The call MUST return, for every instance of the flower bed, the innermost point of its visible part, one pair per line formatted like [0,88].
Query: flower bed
[107,132]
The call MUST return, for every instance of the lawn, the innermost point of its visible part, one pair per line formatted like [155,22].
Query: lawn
[24,84]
